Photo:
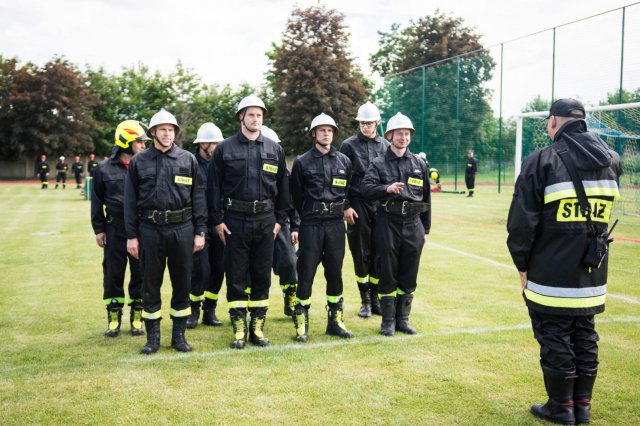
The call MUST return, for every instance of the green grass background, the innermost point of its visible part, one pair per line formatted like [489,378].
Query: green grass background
[474,361]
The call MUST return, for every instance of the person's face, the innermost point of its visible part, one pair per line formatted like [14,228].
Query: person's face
[470,154]
[165,134]
[137,146]
[76,159]
[324,135]
[206,149]
[92,156]
[368,128]
[252,119]
[401,138]
[43,158]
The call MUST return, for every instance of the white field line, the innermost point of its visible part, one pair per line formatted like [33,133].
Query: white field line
[250,350]
[628,299]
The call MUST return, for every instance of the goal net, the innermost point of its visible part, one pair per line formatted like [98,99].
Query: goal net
[617,125]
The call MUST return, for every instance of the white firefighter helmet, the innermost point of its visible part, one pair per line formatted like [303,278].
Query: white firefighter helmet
[323,120]
[209,133]
[61,158]
[163,117]
[250,101]
[270,133]
[398,121]
[368,112]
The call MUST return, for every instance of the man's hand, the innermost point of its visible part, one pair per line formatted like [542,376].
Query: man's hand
[395,188]
[276,229]
[350,216]
[198,243]
[101,239]
[221,230]
[132,248]
[523,279]
[294,238]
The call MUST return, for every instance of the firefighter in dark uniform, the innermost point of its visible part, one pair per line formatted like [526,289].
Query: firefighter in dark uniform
[208,266]
[78,170]
[165,219]
[284,251]
[470,173]
[92,164]
[42,170]
[361,215]
[248,196]
[400,180]
[107,219]
[319,183]
[61,175]
[548,238]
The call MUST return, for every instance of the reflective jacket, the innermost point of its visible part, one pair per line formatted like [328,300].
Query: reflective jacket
[42,167]
[548,234]
[408,169]
[361,151]
[62,167]
[318,177]
[163,181]
[471,167]
[247,170]
[92,165]
[108,193]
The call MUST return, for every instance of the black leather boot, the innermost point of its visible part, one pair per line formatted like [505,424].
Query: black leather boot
[209,313]
[559,407]
[375,301]
[194,317]
[239,324]
[153,336]
[114,318]
[135,318]
[289,295]
[256,326]
[388,306]
[403,310]
[178,339]
[365,297]
[582,391]
[335,323]
[301,323]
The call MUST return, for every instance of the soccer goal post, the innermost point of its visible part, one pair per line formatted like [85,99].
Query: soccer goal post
[617,125]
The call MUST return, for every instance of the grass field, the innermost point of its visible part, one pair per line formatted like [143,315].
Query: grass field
[474,361]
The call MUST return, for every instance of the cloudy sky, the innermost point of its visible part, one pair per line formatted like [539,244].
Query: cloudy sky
[225,41]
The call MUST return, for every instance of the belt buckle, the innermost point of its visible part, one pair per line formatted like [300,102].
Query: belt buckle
[404,208]
[152,216]
[325,209]
[255,206]
[384,206]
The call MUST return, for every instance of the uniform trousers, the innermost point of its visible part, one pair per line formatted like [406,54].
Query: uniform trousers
[361,239]
[114,265]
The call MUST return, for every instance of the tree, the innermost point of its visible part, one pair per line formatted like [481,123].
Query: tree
[443,98]
[313,73]
[48,109]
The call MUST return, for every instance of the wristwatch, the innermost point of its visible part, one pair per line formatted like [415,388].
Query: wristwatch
[203,234]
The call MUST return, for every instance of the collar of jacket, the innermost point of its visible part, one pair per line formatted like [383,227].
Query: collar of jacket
[574,125]
[390,155]
[316,152]
[170,153]
[363,138]
[243,138]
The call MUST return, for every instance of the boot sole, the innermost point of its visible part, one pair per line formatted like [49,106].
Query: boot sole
[538,415]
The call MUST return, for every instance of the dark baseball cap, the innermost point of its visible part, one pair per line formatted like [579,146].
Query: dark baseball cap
[567,107]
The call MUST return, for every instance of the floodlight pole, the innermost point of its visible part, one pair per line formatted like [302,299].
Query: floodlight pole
[500,119]
[624,10]
[455,168]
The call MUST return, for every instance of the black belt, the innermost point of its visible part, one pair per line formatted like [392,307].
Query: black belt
[248,206]
[167,217]
[405,207]
[323,208]
[115,220]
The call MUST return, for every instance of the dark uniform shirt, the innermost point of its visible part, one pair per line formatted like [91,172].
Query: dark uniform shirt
[472,167]
[42,167]
[92,165]
[108,192]
[408,169]
[319,177]
[78,168]
[164,181]
[361,151]
[62,167]
[247,170]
